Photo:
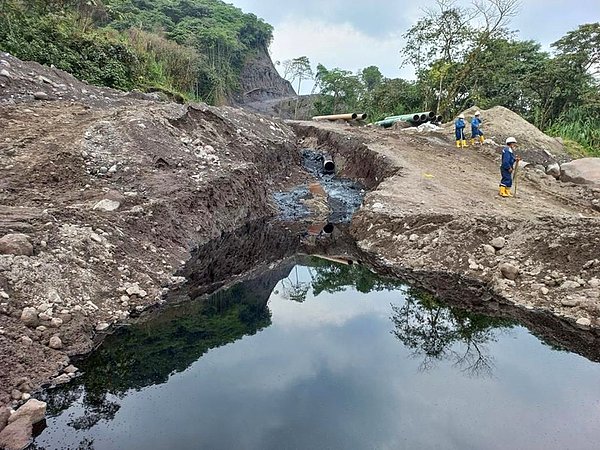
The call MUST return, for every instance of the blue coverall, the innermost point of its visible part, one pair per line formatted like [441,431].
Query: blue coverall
[508,161]
[459,129]
[475,131]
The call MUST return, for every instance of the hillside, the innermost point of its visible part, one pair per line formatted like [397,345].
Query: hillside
[197,49]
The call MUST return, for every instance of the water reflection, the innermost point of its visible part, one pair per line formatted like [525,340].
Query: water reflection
[436,332]
[331,344]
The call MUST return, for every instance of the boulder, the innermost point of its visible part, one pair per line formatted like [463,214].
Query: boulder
[581,171]
[29,317]
[55,343]
[107,205]
[4,415]
[489,250]
[16,244]
[498,243]
[553,170]
[33,410]
[17,435]
[509,271]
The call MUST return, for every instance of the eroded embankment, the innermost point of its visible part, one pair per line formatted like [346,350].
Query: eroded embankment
[426,221]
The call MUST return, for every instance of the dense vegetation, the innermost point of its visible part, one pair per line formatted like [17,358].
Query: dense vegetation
[196,48]
[469,56]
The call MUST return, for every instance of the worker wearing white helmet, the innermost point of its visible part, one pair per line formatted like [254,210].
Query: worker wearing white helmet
[476,133]
[459,130]
[506,169]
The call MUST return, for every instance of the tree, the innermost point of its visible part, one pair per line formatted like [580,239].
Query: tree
[297,69]
[582,47]
[371,77]
[338,88]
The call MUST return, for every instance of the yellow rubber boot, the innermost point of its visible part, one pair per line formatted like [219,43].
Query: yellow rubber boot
[472,142]
[502,192]
[508,193]
[457,144]
[464,143]
[481,140]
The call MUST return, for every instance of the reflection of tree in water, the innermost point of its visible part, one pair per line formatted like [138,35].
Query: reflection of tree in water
[437,332]
[326,276]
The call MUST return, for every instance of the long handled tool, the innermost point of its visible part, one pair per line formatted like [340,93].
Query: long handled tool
[515,173]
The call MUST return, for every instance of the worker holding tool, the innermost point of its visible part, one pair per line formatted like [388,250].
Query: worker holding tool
[476,133]
[459,130]
[508,166]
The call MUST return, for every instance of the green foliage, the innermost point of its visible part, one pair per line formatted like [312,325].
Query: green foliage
[193,47]
[582,125]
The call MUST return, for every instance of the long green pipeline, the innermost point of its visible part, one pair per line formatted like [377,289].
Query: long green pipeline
[386,123]
[414,116]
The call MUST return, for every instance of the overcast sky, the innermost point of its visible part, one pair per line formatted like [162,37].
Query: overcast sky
[351,35]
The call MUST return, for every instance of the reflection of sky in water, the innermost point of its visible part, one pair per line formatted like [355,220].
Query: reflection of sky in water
[329,373]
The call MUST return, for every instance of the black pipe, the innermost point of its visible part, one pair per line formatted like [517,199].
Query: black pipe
[328,229]
[328,164]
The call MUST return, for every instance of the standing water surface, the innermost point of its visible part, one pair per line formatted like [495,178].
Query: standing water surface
[314,355]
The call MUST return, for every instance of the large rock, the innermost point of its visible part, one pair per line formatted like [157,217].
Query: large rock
[55,343]
[498,243]
[17,435]
[107,205]
[4,415]
[581,171]
[16,244]
[509,271]
[29,317]
[33,410]
[553,170]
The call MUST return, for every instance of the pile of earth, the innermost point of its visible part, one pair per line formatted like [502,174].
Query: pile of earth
[500,122]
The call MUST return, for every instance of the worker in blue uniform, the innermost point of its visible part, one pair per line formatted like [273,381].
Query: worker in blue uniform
[459,130]
[508,165]
[476,132]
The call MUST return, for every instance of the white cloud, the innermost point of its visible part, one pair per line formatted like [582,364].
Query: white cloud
[337,45]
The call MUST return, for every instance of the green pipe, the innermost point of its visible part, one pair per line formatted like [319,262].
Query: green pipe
[386,123]
[415,116]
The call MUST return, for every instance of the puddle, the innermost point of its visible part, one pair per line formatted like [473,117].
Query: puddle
[308,354]
[343,196]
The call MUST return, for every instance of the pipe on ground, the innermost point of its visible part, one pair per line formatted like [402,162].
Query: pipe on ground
[349,116]
[328,228]
[361,116]
[328,164]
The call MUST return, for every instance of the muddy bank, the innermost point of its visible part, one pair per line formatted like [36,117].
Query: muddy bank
[434,212]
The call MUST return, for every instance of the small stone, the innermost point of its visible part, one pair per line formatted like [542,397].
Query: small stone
[41,96]
[594,283]
[135,289]
[45,317]
[137,209]
[56,322]
[55,343]
[498,243]
[553,170]
[102,326]
[107,205]
[94,237]
[41,328]
[16,244]
[61,379]
[71,369]
[569,285]
[4,295]
[5,73]
[509,271]
[584,322]
[413,237]
[26,340]
[29,317]
[16,394]
[489,250]
[26,396]
[544,291]
[113,169]
[569,302]
[34,410]
[103,170]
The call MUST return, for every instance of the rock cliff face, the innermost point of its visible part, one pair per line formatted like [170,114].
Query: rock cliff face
[260,80]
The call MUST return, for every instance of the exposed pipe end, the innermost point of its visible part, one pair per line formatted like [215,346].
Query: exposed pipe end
[423,117]
[362,116]
[354,116]
[416,118]
[328,166]
[440,118]
[431,115]
[328,229]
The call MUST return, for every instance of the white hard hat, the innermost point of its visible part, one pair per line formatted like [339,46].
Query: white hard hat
[511,140]
[461,116]
[477,113]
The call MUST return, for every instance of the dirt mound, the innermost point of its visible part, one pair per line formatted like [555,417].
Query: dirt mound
[500,123]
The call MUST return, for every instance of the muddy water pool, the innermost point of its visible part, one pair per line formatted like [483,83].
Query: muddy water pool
[316,355]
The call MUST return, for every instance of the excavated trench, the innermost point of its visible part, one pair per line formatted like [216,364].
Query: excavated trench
[274,326]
